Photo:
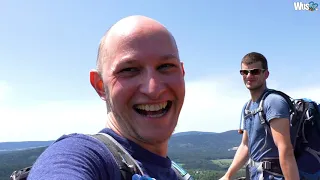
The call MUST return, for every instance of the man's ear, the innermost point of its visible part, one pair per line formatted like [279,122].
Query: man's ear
[182,68]
[97,84]
[267,74]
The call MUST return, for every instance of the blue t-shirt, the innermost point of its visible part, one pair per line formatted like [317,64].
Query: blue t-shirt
[260,141]
[81,157]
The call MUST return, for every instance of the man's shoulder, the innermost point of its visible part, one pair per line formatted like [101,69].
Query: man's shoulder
[245,104]
[275,98]
[276,106]
[77,143]
[76,155]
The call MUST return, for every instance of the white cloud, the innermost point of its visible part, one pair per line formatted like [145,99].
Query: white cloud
[5,91]
[305,92]
[211,104]
[49,121]
[214,105]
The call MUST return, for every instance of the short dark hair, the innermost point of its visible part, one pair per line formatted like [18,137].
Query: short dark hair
[254,57]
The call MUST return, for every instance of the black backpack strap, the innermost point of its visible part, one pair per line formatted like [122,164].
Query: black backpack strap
[21,174]
[261,113]
[264,96]
[317,115]
[297,112]
[127,165]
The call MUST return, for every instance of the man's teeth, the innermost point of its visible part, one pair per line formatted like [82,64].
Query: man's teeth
[152,107]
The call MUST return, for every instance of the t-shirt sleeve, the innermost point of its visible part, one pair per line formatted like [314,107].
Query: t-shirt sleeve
[75,157]
[242,117]
[276,107]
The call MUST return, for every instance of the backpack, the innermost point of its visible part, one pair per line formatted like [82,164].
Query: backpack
[126,163]
[304,130]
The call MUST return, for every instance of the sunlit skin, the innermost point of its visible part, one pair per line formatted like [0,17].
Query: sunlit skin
[255,83]
[144,68]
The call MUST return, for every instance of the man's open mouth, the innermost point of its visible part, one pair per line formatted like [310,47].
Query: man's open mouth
[153,110]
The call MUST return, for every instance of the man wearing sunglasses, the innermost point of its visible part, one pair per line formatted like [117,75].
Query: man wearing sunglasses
[257,144]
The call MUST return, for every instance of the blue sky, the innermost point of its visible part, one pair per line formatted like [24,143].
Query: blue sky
[48,48]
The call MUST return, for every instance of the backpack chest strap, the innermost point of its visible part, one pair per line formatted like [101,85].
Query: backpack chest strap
[127,164]
[269,165]
[255,111]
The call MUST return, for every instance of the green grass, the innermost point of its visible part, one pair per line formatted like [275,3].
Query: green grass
[223,163]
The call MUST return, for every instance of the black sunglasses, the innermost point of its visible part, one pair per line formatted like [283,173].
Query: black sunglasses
[251,71]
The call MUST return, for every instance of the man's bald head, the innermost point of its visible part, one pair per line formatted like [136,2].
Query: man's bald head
[139,65]
[127,28]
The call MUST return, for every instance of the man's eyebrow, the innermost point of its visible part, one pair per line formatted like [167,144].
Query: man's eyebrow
[123,62]
[127,61]
[133,60]
[169,57]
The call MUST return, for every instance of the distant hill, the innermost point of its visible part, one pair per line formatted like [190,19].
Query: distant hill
[14,160]
[203,147]
[191,133]
[5,146]
[193,150]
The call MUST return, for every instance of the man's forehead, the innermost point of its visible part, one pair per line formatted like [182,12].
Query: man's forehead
[132,39]
[131,59]
[139,45]
[251,63]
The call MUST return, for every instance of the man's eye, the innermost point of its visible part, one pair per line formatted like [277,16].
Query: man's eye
[129,70]
[166,66]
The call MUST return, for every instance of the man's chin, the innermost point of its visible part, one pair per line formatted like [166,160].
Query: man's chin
[250,87]
[155,137]
[253,88]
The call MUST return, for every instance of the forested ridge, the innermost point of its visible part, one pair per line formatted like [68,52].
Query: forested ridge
[204,155]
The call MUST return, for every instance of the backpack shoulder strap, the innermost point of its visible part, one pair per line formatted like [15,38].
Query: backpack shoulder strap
[265,95]
[244,114]
[261,113]
[180,172]
[127,165]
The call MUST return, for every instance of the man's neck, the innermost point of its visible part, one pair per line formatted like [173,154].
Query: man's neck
[160,149]
[255,94]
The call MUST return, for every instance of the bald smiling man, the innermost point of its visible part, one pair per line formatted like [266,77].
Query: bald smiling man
[141,78]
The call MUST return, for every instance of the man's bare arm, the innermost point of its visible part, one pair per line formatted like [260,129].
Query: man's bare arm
[240,158]
[280,130]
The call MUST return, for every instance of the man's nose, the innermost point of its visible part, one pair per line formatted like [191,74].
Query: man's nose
[152,86]
[249,75]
